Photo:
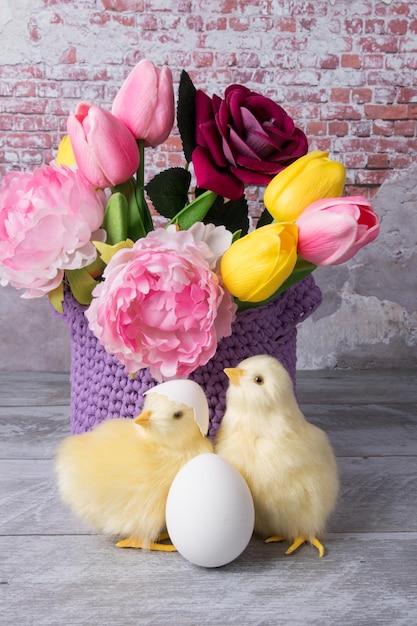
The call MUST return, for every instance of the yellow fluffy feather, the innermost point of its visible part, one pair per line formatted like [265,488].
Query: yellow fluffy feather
[117,477]
[287,462]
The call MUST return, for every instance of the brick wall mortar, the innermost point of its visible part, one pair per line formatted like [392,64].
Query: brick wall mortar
[346,71]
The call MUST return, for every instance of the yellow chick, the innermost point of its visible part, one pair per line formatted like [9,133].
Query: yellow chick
[117,477]
[287,462]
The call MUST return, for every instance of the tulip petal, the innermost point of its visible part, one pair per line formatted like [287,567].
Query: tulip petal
[323,244]
[309,178]
[255,266]
[128,106]
[109,137]
[84,155]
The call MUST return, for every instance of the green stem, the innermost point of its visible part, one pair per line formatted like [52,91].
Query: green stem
[140,189]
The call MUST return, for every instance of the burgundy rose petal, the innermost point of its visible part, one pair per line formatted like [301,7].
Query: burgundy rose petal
[222,182]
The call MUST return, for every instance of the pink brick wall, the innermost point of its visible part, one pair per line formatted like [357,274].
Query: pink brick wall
[346,71]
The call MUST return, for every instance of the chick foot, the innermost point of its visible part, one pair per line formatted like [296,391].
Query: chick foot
[134,542]
[275,538]
[300,540]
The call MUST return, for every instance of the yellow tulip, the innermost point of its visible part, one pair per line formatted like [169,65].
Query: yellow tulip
[309,178]
[255,266]
[65,155]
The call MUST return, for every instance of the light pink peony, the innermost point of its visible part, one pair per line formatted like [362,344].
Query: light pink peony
[331,231]
[161,305]
[47,218]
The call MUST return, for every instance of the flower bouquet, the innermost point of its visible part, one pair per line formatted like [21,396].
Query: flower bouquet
[165,279]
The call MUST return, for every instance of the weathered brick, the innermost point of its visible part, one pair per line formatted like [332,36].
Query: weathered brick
[384,43]
[340,112]
[374,26]
[329,62]
[338,128]
[316,128]
[123,5]
[400,161]
[386,112]
[286,24]
[383,127]
[373,61]
[378,161]
[6,123]
[361,95]
[351,60]
[344,72]
[412,111]
[239,24]
[397,27]
[405,128]
[361,128]
[407,94]
[354,25]
[340,94]
[355,160]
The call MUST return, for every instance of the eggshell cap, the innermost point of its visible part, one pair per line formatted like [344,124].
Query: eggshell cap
[189,393]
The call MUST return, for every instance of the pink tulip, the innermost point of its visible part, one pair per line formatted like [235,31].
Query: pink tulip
[105,150]
[332,230]
[145,103]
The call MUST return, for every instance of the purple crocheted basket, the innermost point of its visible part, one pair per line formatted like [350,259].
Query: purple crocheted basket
[101,387]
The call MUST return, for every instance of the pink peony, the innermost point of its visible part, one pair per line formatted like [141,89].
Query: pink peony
[331,231]
[47,218]
[161,305]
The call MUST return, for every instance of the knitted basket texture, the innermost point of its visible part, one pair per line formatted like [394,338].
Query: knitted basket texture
[101,387]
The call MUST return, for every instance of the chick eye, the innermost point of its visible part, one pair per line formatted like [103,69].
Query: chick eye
[259,380]
[177,415]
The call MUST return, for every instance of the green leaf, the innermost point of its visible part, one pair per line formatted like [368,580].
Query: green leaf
[186,114]
[168,191]
[144,212]
[56,297]
[136,229]
[265,218]
[232,214]
[195,211]
[301,270]
[116,218]
[81,284]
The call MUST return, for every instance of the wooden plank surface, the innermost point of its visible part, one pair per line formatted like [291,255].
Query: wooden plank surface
[55,572]
[86,580]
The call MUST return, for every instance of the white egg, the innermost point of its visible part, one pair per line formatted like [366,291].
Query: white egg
[210,513]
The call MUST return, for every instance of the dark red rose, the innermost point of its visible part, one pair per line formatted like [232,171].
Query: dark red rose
[244,139]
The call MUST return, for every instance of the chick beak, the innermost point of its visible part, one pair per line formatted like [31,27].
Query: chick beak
[234,374]
[144,419]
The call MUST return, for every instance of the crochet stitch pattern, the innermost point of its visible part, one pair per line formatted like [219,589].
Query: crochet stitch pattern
[101,388]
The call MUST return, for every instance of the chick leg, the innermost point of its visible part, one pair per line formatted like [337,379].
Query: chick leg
[134,542]
[300,540]
[274,539]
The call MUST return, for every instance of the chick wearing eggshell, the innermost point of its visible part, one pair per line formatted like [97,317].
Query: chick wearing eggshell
[134,478]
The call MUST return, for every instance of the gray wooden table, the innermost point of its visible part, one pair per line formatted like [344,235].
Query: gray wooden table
[53,571]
